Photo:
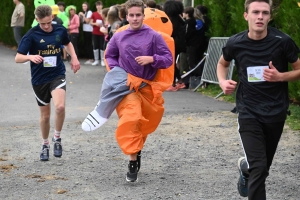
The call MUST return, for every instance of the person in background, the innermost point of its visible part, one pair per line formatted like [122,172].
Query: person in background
[114,21]
[48,79]
[195,38]
[62,6]
[97,22]
[55,19]
[262,56]
[174,10]
[122,16]
[74,24]
[104,28]
[85,18]
[18,20]
[151,4]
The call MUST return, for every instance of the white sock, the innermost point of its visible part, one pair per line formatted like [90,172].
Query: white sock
[56,134]
[93,121]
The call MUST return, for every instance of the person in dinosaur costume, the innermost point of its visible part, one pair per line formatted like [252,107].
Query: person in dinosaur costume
[60,15]
[137,97]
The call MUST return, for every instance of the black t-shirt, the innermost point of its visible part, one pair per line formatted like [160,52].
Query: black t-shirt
[266,101]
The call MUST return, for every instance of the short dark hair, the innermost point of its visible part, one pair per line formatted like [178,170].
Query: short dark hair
[151,4]
[61,3]
[248,2]
[189,11]
[173,8]
[98,3]
[203,9]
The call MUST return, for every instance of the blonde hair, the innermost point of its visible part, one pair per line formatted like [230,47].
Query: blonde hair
[198,15]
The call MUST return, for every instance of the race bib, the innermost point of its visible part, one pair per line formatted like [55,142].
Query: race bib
[50,61]
[255,73]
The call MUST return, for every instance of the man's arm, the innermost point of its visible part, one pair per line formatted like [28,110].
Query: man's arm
[228,86]
[75,64]
[273,75]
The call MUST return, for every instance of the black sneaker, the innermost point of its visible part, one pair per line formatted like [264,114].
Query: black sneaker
[132,171]
[139,160]
[44,156]
[57,150]
[242,184]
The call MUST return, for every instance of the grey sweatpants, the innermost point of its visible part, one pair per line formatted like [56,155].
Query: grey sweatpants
[113,90]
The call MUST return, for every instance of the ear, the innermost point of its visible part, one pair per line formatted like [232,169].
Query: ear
[246,16]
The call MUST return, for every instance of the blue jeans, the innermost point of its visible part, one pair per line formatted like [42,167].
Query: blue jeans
[17,33]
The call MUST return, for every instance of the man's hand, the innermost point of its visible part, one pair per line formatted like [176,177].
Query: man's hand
[272,74]
[75,65]
[36,58]
[144,60]
[228,86]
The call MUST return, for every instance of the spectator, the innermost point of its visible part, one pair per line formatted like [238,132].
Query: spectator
[151,4]
[114,21]
[174,10]
[85,17]
[97,22]
[104,28]
[122,16]
[62,6]
[18,20]
[194,38]
[74,24]
[55,19]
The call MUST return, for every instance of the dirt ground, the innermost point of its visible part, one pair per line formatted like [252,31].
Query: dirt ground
[190,156]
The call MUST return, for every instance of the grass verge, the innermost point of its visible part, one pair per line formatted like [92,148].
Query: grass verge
[293,120]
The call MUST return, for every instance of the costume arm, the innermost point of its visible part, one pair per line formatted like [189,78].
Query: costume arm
[112,53]
[64,18]
[162,59]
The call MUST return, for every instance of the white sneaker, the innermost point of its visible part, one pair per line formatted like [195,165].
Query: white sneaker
[102,63]
[93,121]
[88,62]
[96,62]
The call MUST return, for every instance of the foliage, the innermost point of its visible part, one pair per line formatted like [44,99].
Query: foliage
[5,17]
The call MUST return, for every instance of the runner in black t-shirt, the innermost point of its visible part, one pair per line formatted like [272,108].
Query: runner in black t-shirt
[261,56]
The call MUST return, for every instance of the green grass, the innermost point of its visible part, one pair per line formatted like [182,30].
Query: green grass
[213,90]
[293,120]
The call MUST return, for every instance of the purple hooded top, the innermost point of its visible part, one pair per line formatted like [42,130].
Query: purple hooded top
[126,45]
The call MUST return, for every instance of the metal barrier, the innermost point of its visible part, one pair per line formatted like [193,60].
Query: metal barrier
[214,51]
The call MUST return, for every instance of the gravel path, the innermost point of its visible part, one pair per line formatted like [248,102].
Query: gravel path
[190,156]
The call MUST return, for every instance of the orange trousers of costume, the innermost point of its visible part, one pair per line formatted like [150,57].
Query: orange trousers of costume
[139,116]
